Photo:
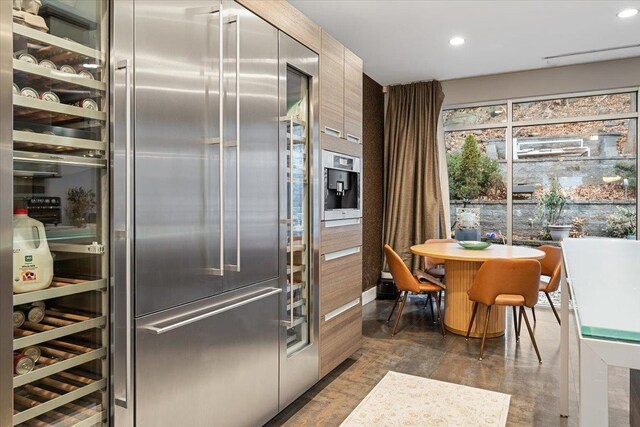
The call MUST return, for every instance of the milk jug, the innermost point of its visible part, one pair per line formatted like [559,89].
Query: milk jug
[32,261]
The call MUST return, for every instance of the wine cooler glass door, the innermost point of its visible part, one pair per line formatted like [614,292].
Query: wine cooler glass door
[61,204]
[298,210]
[299,218]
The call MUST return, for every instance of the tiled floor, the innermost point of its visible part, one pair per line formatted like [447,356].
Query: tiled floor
[419,349]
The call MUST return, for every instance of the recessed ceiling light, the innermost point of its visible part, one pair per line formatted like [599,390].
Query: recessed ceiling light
[456,41]
[627,13]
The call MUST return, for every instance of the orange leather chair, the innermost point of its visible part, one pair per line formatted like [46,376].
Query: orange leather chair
[506,282]
[435,266]
[550,266]
[407,283]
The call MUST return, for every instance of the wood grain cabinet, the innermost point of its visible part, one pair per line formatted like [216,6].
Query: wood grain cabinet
[340,241]
[340,91]
[340,336]
[340,294]
[341,280]
[282,15]
[352,97]
[331,86]
[340,234]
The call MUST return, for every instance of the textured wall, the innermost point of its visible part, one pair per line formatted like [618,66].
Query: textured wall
[615,74]
[372,153]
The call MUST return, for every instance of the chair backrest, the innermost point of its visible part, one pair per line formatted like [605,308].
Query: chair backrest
[402,277]
[550,266]
[506,276]
[430,262]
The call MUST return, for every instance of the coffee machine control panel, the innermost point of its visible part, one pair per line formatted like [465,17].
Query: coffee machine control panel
[342,162]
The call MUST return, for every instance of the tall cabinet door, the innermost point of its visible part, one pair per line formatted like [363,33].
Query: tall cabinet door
[332,86]
[251,148]
[352,97]
[177,153]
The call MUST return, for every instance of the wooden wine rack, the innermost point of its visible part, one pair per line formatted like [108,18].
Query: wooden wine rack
[52,47]
[61,286]
[61,399]
[38,111]
[52,328]
[57,80]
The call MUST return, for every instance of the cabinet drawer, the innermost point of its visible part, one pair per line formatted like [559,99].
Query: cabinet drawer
[340,234]
[331,96]
[352,97]
[339,145]
[340,281]
[237,335]
[340,337]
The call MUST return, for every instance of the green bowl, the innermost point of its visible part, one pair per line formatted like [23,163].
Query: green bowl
[474,245]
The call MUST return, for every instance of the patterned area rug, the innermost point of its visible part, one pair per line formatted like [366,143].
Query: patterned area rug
[555,297]
[407,400]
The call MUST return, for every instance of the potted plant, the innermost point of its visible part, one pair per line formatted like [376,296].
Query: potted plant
[80,202]
[551,204]
[621,224]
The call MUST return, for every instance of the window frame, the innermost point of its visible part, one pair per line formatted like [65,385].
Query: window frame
[510,124]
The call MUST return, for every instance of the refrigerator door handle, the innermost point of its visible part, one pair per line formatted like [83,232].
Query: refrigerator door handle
[291,273]
[161,330]
[220,271]
[236,144]
[124,65]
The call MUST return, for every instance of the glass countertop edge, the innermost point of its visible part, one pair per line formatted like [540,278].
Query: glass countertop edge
[598,332]
[595,332]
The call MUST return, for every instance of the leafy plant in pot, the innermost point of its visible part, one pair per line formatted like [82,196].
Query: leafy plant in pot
[80,203]
[550,207]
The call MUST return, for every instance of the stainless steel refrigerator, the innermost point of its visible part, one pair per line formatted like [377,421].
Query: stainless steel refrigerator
[214,215]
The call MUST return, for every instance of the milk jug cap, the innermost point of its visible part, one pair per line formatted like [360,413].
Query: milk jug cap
[21,211]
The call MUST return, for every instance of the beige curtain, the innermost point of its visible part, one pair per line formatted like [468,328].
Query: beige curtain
[413,196]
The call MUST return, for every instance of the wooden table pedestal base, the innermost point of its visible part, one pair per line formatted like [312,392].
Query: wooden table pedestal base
[458,308]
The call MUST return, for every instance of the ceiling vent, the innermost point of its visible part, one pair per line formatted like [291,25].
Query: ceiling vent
[594,55]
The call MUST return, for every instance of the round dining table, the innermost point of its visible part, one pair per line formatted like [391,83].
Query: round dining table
[460,267]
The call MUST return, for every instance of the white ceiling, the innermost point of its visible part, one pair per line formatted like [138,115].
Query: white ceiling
[402,41]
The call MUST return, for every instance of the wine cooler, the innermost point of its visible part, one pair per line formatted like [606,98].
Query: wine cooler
[299,213]
[159,214]
[60,213]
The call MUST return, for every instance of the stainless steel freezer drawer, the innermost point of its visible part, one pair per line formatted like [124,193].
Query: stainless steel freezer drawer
[212,363]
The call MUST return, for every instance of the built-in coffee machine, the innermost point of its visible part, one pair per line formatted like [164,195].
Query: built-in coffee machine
[342,186]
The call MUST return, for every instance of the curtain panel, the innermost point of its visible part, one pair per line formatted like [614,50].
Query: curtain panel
[414,210]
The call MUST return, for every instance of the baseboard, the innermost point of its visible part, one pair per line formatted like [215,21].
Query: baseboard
[368,296]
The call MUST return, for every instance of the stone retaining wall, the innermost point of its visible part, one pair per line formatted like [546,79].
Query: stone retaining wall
[569,172]
[493,215]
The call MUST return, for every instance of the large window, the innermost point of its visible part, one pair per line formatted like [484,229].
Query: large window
[533,169]
[477,166]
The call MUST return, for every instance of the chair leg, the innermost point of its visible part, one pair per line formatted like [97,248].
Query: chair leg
[484,333]
[473,317]
[394,307]
[426,303]
[432,301]
[519,323]
[553,307]
[441,318]
[533,312]
[533,339]
[515,323]
[395,326]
